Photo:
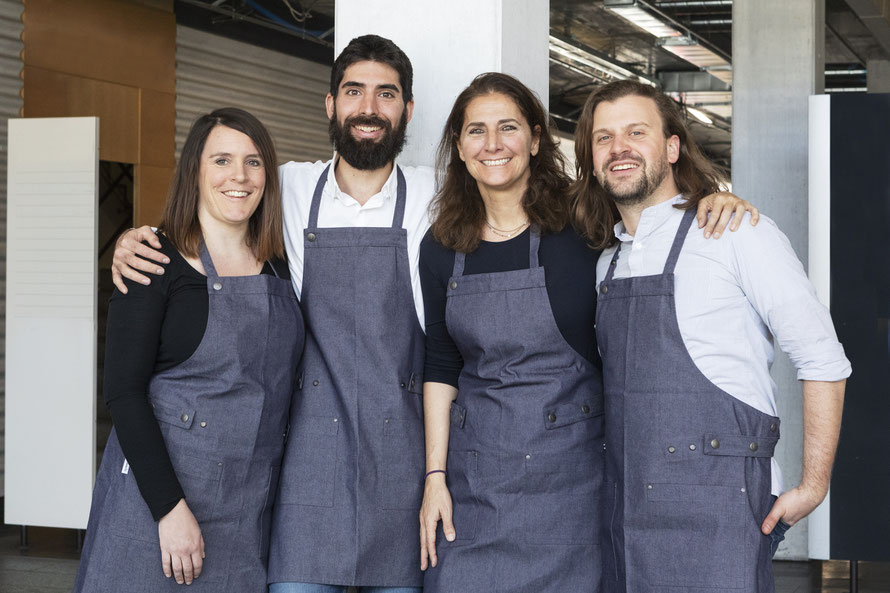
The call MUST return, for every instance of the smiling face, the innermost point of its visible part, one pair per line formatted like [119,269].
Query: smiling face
[631,157]
[496,144]
[232,177]
[369,115]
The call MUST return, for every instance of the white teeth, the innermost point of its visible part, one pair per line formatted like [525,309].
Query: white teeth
[368,128]
[495,163]
[624,167]
[236,194]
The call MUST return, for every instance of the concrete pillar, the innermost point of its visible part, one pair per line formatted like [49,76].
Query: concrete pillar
[449,43]
[778,61]
[878,76]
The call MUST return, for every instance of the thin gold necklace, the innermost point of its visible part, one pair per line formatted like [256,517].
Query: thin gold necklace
[506,234]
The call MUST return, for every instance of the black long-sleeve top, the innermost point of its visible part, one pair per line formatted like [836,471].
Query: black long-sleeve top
[570,275]
[151,329]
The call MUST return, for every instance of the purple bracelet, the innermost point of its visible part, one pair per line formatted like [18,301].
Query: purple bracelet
[435,471]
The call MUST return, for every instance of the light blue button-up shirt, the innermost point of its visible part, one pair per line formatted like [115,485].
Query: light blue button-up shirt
[734,297]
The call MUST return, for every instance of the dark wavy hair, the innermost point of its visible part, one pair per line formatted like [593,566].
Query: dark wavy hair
[458,210]
[594,213]
[373,48]
[180,219]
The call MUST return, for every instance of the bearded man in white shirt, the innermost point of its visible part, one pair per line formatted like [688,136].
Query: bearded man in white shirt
[686,328]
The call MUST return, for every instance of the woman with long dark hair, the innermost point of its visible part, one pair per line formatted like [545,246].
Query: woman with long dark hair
[199,374]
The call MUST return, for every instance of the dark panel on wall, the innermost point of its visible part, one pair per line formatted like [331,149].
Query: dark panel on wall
[860,306]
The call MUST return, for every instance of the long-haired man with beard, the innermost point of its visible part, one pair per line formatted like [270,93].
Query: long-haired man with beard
[686,329]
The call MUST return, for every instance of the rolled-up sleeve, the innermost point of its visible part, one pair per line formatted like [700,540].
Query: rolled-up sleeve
[778,288]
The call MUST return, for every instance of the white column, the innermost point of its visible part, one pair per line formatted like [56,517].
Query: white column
[449,43]
[778,62]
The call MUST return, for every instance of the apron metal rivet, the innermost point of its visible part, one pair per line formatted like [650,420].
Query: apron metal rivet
[403,385]
[528,457]
[715,444]
[671,449]
[649,486]
[386,421]
[552,417]
[184,417]
[335,419]
[692,447]
[203,425]
[604,289]
[453,285]
[586,409]
[311,236]
[774,427]
[217,286]
[315,383]
[219,464]
[753,446]
[743,489]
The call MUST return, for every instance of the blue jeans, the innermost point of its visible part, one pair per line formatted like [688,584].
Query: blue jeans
[313,588]
[776,536]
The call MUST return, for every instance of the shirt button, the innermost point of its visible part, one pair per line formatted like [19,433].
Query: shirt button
[217,286]
[638,245]
[311,237]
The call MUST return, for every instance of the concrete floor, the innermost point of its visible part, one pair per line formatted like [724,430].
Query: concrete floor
[50,563]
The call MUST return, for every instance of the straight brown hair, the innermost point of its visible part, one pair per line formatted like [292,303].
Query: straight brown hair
[457,209]
[180,219]
[594,213]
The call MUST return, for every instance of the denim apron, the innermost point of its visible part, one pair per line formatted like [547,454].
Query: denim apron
[525,451]
[223,415]
[687,464]
[352,477]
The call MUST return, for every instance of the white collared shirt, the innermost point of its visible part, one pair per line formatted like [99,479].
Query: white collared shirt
[339,209]
[733,296]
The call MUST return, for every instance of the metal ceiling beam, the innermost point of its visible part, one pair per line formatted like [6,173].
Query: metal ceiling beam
[694,3]
[875,15]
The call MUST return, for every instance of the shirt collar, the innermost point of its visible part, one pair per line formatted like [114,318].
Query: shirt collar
[651,218]
[386,193]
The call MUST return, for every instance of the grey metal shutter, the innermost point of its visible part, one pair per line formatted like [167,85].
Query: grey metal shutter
[285,93]
[10,104]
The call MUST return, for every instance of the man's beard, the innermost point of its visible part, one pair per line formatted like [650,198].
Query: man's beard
[641,190]
[367,155]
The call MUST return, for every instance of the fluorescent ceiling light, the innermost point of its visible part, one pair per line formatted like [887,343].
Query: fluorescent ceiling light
[632,11]
[699,115]
[699,55]
[588,63]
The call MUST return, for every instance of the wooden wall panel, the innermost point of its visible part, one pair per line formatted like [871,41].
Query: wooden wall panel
[151,193]
[115,59]
[157,123]
[105,39]
[52,94]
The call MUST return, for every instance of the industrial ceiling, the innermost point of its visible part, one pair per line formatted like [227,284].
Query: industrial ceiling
[683,46]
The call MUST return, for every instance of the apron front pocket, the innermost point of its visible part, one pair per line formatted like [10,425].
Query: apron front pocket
[691,536]
[310,462]
[461,478]
[560,498]
[401,474]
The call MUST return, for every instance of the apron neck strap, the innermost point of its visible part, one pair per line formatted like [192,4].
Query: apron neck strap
[398,216]
[613,264]
[207,261]
[534,242]
[679,238]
